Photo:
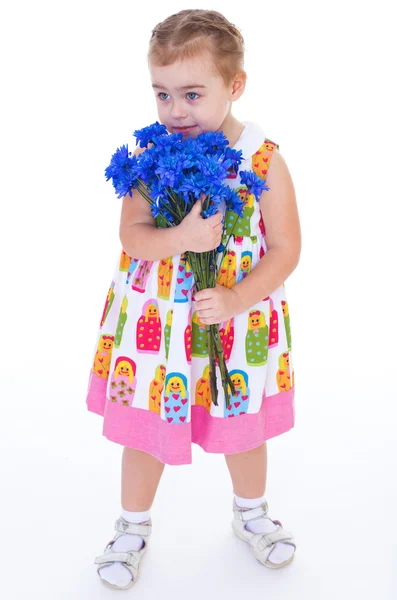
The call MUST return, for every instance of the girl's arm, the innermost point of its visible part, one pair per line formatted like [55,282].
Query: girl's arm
[141,239]
[283,236]
[283,241]
[139,235]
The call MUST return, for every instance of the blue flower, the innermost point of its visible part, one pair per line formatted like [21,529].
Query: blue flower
[148,134]
[233,200]
[196,183]
[168,143]
[213,140]
[232,157]
[255,184]
[122,171]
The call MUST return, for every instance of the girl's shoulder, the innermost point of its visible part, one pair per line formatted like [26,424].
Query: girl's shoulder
[257,149]
[254,142]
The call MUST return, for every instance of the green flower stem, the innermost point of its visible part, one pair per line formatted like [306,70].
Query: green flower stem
[230,235]
[206,278]
[211,358]
[227,383]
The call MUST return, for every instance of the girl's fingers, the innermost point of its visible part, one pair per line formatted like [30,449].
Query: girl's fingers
[205,312]
[203,304]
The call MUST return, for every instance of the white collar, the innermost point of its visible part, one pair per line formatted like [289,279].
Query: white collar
[250,140]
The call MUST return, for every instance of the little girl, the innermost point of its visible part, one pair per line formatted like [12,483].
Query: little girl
[150,375]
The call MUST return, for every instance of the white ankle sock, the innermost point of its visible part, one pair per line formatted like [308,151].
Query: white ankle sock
[282,550]
[117,573]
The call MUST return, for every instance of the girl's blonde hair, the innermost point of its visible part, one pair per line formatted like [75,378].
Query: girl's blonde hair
[190,32]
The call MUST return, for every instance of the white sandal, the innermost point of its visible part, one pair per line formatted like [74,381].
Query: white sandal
[262,544]
[130,559]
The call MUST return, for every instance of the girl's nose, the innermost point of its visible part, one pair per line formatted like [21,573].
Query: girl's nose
[178,111]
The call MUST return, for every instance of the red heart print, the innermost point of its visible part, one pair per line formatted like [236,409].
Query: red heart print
[176,408]
[184,400]
[182,419]
[237,404]
[189,274]
[155,383]
[180,267]
[180,279]
[167,408]
[229,407]
[176,396]
[166,398]
[153,397]
[169,419]
[244,397]
[100,359]
[100,372]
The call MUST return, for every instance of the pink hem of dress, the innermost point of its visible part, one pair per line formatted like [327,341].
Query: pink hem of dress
[171,444]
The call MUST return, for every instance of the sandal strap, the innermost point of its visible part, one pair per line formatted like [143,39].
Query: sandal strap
[280,535]
[251,513]
[129,558]
[123,526]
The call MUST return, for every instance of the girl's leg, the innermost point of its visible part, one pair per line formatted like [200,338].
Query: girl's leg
[141,474]
[248,471]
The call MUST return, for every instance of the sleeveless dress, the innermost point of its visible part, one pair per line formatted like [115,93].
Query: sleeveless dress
[149,378]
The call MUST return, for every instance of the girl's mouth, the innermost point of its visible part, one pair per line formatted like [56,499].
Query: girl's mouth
[181,129]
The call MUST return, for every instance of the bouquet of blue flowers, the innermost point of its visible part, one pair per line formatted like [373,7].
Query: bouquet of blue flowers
[172,174]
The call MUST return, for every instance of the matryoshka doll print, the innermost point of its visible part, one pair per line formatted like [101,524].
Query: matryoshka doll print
[121,322]
[176,398]
[148,328]
[240,402]
[287,324]
[125,260]
[156,389]
[203,390]
[199,337]
[273,332]
[167,332]
[226,334]
[227,270]
[257,339]
[245,265]
[131,269]
[108,303]
[188,338]
[285,379]
[241,226]
[164,278]
[103,356]
[141,275]
[261,158]
[184,280]
[262,228]
[123,382]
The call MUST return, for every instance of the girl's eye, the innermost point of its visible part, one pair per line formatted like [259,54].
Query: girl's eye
[161,94]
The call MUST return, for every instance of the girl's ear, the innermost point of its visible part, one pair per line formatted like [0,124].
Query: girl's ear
[238,85]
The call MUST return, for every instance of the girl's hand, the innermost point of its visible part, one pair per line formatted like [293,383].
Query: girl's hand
[198,234]
[215,305]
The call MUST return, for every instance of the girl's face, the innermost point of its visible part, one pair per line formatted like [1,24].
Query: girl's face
[191,98]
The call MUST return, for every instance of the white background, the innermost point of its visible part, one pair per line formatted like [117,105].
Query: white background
[75,87]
